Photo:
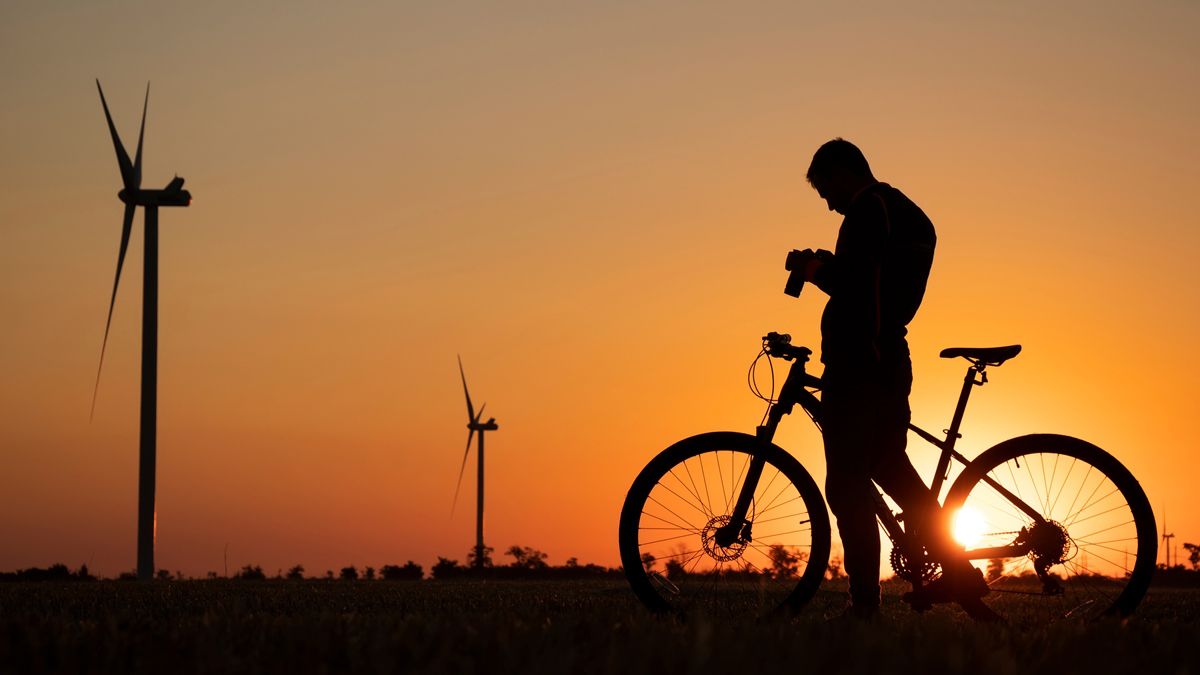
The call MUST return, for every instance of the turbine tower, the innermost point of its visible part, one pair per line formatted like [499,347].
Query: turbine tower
[1167,539]
[134,196]
[474,425]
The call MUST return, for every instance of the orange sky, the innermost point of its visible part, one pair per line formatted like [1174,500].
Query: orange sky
[591,202]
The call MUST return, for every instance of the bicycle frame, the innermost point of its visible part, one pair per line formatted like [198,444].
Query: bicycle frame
[796,391]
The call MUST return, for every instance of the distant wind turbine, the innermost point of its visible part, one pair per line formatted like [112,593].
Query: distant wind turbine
[474,425]
[1167,539]
[134,196]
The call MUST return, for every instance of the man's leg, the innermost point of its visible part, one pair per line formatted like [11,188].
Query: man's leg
[850,493]
[960,580]
[893,470]
[900,480]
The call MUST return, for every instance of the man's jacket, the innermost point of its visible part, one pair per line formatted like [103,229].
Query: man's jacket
[875,279]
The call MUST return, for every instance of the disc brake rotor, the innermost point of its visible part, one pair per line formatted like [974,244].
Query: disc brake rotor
[722,553]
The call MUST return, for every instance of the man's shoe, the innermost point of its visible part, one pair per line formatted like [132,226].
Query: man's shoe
[965,586]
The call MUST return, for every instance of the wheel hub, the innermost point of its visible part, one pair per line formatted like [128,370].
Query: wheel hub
[708,537]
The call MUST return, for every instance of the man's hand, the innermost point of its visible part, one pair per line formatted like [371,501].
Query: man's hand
[814,263]
[804,266]
[810,268]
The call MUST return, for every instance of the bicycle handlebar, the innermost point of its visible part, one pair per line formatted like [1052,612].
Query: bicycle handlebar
[780,346]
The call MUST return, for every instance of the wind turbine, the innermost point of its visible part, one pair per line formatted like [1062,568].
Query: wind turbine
[474,425]
[134,196]
[1167,539]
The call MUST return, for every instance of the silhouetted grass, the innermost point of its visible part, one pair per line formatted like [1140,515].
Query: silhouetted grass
[564,627]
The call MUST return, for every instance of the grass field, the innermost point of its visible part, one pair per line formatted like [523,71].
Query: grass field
[526,626]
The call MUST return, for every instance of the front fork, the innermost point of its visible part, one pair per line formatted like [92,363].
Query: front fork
[793,391]
[739,528]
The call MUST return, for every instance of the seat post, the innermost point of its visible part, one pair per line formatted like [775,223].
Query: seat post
[952,435]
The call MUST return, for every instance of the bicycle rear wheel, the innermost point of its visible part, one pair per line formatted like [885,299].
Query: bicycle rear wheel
[1096,550]
[669,520]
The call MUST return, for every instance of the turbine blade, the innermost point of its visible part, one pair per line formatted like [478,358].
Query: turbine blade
[480,415]
[137,162]
[126,228]
[470,408]
[127,176]
[461,470]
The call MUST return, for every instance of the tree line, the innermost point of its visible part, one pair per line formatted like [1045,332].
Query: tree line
[527,562]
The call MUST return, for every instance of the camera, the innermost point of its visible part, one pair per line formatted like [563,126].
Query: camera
[795,263]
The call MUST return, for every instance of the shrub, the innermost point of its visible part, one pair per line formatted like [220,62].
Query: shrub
[251,573]
[447,569]
[411,571]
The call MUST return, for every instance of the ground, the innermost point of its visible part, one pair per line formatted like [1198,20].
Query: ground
[218,626]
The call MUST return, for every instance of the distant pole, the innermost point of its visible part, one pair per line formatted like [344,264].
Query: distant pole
[147,447]
[479,509]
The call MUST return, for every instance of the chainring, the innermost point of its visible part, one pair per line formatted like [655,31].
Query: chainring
[925,570]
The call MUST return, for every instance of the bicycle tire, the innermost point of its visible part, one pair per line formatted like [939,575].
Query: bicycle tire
[1051,467]
[705,577]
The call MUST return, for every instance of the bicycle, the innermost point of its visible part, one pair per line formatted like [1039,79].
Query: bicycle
[739,525]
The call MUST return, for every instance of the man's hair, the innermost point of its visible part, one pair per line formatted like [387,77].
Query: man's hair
[838,154]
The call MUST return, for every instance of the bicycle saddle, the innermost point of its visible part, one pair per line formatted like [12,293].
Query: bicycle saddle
[991,356]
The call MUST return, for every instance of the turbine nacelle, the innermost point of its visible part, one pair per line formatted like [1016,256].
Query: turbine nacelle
[172,195]
[489,425]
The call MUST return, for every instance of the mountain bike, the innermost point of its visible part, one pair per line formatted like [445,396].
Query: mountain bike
[731,522]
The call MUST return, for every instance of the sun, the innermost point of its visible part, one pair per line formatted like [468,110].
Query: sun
[968,527]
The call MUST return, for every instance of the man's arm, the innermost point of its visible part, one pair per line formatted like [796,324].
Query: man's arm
[851,275]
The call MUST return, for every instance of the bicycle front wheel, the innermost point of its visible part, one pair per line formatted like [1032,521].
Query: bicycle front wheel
[1093,551]
[669,548]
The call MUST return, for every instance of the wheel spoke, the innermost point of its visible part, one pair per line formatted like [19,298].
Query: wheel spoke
[1111,527]
[675,525]
[704,476]
[780,534]
[688,502]
[759,521]
[1066,481]
[695,489]
[659,541]
[1077,519]
[721,477]
[784,503]
[668,509]
[771,504]
[699,502]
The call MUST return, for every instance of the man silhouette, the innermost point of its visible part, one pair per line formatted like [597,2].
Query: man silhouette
[875,279]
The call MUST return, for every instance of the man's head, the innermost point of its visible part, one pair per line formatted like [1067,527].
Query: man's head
[838,172]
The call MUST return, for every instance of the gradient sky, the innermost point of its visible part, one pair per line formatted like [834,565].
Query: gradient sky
[591,202]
